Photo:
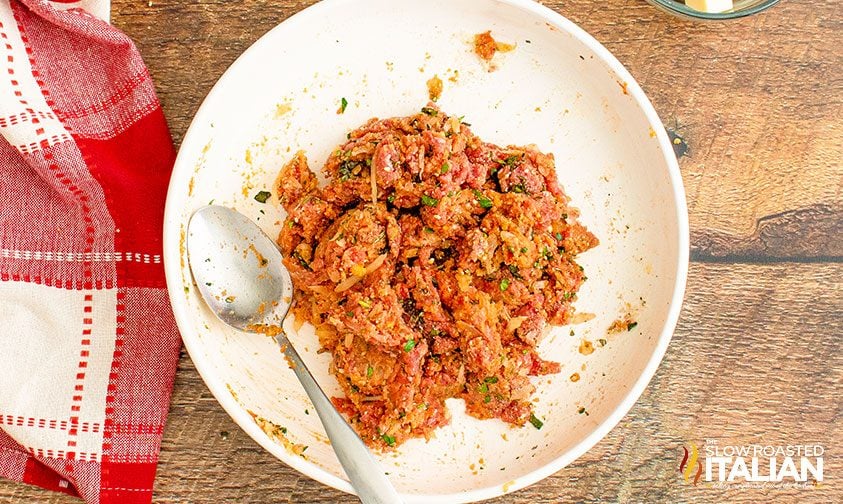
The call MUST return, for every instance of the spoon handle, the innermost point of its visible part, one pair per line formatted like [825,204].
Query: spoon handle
[370,483]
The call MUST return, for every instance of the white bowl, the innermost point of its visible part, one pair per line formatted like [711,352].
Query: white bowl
[559,89]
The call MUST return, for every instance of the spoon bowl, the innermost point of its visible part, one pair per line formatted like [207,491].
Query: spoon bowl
[238,269]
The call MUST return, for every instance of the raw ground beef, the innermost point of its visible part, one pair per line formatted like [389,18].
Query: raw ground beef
[430,264]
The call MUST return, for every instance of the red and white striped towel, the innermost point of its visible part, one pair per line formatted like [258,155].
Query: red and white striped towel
[88,345]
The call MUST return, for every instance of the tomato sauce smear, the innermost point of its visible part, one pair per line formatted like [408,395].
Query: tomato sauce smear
[431,265]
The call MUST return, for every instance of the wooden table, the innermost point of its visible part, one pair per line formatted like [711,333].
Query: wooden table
[757,355]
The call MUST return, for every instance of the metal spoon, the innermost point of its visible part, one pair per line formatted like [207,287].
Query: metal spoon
[240,275]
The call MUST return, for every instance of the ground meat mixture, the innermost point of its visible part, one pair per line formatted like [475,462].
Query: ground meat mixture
[430,265]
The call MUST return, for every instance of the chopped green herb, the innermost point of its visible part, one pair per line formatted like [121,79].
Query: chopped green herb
[212,201]
[601,342]
[435,332]
[630,326]
[304,264]
[504,284]
[306,412]
[512,160]
[538,424]
[559,236]
[571,333]
[429,201]
[283,430]
[428,230]
[482,199]
[389,440]
[290,223]
[391,198]
[349,314]
[345,170]
[409,345]
[209,284]
[343,105]
[262,196]
[484,389]
[523,250]
[518,188]
[429,111]
[491,379]
[445,168]
[487,399]
[370,371]
[365,303]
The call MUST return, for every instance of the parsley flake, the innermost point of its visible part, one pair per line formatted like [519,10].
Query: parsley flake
[482,199]
[409,345]
[262,196]
[428,200]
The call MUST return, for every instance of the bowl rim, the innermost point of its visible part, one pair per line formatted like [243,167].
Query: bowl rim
[675,7]
[173,271]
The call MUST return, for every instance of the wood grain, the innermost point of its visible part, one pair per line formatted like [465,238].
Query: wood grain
[757,355]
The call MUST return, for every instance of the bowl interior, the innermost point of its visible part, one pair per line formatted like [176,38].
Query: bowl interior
[558,89]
